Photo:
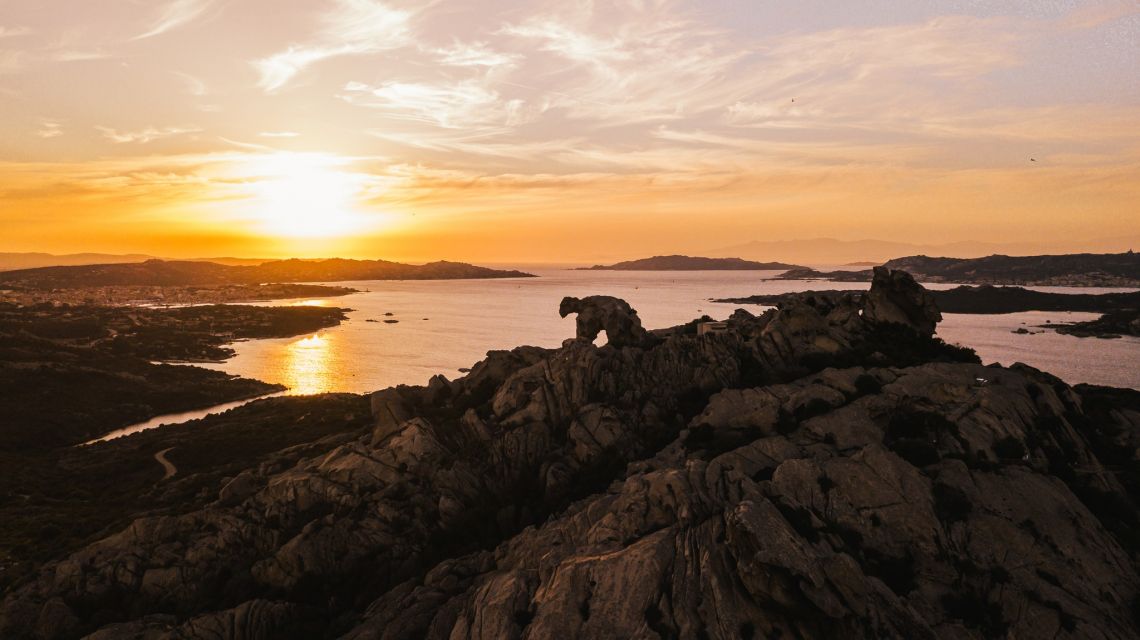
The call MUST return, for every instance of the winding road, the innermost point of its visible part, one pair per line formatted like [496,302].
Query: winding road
[160,457]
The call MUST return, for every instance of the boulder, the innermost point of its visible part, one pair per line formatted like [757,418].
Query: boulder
[896,298]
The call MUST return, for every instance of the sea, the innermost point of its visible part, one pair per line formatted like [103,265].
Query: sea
[405,332]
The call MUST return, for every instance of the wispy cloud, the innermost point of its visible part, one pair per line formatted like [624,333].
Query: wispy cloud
[462,105]
[1094,14]
[12,61]
[50,129]
[175,14]
[194,85]
[12,32]
[78,55]
[278,134]
[143,136]
[355,27]
[474,54]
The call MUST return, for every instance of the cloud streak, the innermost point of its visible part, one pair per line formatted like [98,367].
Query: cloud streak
[50,129]
[144,136]
[175,14]
[355,27]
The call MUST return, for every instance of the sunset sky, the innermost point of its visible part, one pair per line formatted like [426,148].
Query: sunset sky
[490,130]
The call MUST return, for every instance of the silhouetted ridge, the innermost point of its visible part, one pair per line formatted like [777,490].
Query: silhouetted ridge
[172,273]
[690,263]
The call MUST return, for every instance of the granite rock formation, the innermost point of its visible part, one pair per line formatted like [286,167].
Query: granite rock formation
[826,469]
[900,300]
[605,313]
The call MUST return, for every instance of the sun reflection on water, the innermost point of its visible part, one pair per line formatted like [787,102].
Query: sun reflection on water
[310,303]
[306,369]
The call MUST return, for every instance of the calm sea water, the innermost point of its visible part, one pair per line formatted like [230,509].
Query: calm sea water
[446,325]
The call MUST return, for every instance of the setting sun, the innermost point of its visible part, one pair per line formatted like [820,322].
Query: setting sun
[306,196]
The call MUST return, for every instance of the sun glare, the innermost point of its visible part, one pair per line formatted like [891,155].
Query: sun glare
[306,196]
[306,368]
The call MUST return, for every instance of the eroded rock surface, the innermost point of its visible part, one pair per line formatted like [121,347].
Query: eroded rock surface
[823,470]
[606,313]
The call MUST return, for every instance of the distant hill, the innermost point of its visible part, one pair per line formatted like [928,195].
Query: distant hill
[831,251]
[1072,270]
[979,300]
[185,272]
[1077,269]
[9,261]
[690,263]
[33,260]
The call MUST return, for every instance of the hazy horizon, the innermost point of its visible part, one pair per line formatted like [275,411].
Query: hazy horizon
[564,132]
[818,251]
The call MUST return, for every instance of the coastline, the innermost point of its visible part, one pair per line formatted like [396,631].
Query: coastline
[70,374]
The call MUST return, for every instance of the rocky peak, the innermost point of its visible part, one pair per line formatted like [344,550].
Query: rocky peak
[609,314]
[896,298]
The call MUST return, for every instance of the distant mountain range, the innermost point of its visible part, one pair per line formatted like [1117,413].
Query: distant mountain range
[184,272]
[10,261]
[978,299]
[690,263]
[830,251]
[1076,269]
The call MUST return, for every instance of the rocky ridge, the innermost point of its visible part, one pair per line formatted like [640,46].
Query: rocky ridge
[1065,270]
[827,469]
[691,263]
[171,273]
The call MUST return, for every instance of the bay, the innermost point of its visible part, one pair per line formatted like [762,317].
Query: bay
[444,325]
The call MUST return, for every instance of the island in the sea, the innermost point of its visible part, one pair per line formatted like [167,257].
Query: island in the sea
[1121,309]
[175,273]
[691,263]
[1068,270]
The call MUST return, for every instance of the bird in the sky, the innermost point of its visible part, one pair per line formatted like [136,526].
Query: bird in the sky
[1033,159]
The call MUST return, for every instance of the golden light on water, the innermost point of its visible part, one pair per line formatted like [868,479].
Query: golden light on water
[306,366]
[310,303]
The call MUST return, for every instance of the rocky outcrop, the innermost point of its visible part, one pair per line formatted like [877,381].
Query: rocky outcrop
[1124,322]
[898,504]
[896,298]
[817,471]
[609,314]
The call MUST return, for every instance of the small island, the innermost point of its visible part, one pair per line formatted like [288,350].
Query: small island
[985,299]
[1114,324]
[691,263]
[1069,270]
[1121,310]
[182,273]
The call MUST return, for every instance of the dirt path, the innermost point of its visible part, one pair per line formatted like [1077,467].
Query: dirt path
[166,464]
